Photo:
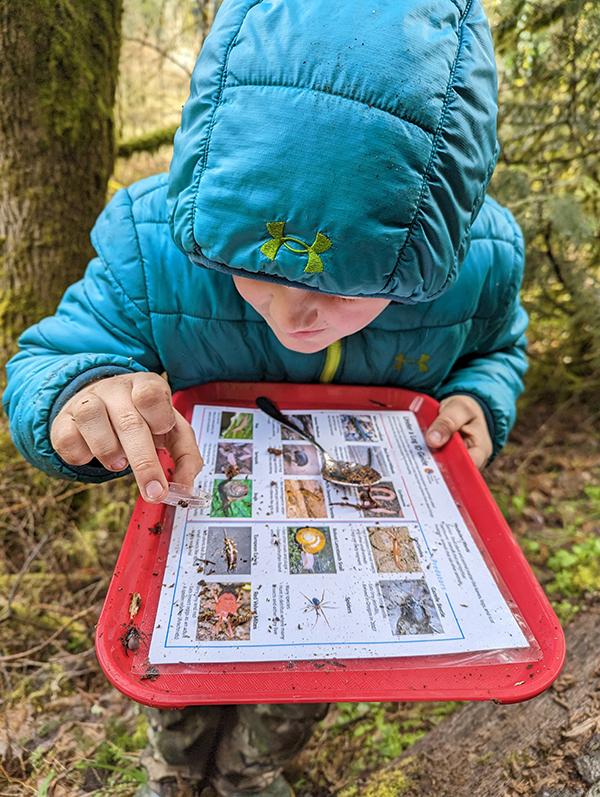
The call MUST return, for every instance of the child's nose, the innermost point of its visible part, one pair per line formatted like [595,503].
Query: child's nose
[295,313]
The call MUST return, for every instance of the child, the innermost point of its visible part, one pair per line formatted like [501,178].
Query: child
[324,219]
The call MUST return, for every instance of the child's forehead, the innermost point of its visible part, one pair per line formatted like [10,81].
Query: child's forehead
[292,293]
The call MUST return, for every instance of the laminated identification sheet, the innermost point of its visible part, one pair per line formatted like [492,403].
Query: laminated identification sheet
[283,565]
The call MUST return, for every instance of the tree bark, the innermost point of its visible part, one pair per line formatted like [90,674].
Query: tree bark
[58,73]
[539,747]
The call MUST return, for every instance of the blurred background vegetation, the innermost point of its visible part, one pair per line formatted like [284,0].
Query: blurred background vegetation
[65,730]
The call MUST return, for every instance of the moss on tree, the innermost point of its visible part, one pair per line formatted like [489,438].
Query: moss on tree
[58,76]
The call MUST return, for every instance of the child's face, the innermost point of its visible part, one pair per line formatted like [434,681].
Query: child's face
[307,321]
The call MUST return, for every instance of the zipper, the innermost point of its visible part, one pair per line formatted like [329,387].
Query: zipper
[333,358]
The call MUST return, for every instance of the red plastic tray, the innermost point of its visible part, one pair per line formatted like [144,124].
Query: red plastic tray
[141,563]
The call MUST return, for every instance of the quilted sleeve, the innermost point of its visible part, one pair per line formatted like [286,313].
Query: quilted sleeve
[101,328]
[494,374]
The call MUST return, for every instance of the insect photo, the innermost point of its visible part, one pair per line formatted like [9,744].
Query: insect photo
[318,606]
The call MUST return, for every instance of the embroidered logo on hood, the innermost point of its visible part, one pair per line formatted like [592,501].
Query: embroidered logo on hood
[314,264]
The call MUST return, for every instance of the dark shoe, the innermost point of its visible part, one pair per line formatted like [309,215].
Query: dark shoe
[279,788]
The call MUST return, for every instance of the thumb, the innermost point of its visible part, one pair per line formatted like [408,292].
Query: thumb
[441,430]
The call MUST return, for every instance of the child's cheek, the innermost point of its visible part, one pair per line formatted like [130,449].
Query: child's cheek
[353,316]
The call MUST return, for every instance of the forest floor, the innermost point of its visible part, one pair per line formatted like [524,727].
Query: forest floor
[65,731]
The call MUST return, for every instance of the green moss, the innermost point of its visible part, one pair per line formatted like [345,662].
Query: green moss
[577,569]
[577,574]
[149,143]
[79,57]
[386,784]
[15,307]
[367,736]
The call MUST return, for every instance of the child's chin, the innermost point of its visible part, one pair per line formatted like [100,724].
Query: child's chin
[307,346]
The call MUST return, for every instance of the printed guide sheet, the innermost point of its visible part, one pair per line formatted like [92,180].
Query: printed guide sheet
[283,565]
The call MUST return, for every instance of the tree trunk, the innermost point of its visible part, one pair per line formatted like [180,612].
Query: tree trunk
[548,746]
[58,72]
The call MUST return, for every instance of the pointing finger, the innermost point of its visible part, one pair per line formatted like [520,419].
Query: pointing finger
[138,445]
[181,442]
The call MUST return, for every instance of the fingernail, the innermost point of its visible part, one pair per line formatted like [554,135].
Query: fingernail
[154,490]
[120,464]
[435,438]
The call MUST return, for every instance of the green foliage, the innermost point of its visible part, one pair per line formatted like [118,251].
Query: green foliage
[577,573]
[45,783]
[380,732]
[360,739]
[519,500]
[549,64]
[576,567]
[116,759]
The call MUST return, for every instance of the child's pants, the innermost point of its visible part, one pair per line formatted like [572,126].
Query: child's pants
[237,748]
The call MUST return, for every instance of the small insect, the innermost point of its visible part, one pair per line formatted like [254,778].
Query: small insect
[228,612]
[231,470]
[151,674]
[230,551]
[395,549]
[156,529]
[131,638]
[318,606]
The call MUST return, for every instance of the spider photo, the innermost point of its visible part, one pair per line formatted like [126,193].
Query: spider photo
[318,606]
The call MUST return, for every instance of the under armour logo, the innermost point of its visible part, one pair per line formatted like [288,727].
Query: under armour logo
[314,264]
[423,362]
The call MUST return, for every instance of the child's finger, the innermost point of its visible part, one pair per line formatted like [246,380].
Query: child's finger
[151,397]
[138,444]
[91,417]
[478,441]
[479,456]
[453,415]
[181,443]
[68,442]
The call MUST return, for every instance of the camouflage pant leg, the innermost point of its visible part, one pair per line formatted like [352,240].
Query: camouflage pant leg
[258,740]
[182,741]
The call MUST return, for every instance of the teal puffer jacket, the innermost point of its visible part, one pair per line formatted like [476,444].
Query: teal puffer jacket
[344,148]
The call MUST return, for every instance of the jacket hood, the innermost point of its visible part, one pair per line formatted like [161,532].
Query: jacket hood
[343,147]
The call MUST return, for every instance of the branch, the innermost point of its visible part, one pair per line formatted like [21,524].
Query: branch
[549,252]
[148,142]
[160,50]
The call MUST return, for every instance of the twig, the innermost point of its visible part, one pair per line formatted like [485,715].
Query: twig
[25,653]
[543,438]
[10,779]
[148,142]
[164,53]
[20,575]
[6,510]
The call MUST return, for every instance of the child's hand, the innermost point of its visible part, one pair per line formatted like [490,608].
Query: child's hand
[462,414]
[124,419]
